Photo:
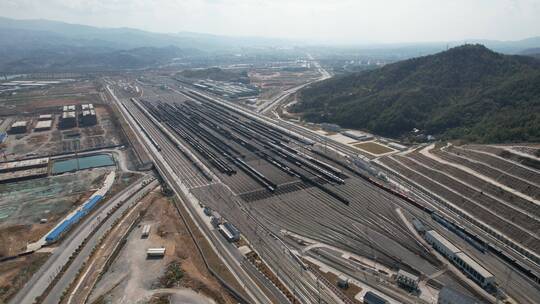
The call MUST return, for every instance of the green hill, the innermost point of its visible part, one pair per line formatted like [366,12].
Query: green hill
[468,92]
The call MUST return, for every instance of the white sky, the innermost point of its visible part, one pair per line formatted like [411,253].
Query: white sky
[341,21]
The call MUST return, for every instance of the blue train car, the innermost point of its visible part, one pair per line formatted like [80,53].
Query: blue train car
[58,231]
[92,202]
[66,225]
[3,137]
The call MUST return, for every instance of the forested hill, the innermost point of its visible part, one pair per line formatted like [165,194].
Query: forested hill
[468,92]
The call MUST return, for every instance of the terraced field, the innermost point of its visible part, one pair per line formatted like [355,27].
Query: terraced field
[498,192]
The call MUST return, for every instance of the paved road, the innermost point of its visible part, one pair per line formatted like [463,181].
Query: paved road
[60,256]
[264,108]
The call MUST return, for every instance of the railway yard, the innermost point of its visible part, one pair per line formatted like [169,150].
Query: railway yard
[274,181]
[252,208]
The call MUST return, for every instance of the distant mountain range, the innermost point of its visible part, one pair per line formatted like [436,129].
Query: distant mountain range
[40,32]
[468,92]
[44,45]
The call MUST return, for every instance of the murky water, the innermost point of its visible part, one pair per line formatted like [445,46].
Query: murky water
[82,163]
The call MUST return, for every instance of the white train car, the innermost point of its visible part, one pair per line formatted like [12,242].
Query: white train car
[441,244]
[474,270]
[465,263]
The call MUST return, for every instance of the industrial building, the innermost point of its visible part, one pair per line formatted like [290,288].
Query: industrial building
[330,127]
[24,164]
[407,280]
[397,146]
[88,117]
[43,125]
[88,106]
[450,296]
[16,176]
[19,127]
[70,108]
[69,120]
[358,135]
[45,117]
[373,298]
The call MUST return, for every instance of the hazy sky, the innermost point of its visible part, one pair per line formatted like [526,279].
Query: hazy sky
[344,21]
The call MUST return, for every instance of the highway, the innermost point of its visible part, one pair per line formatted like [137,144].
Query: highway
[60,255]
[271,104]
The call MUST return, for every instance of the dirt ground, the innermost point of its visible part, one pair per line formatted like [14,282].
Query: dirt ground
[133,278]
[373,147]
[23,204]
[28,105]
[14,273]
[350,292]
[51,96]
[55,141]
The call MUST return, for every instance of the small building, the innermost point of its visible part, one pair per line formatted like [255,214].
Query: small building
[441,244]
[145,231]
[216,219]
[155,252]
[19,127]
[88,117]
[358,135]
[329,127]
[397,146]
[88,106]
[69,120]
[244,250]
[373,298]
[43,125]
[407,280]
[70,108]
[451,296]
[45,117]
[343,282]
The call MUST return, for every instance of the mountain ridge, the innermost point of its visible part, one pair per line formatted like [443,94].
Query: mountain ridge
[468,92]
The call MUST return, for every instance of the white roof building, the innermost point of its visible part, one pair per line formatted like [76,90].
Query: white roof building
[43,124]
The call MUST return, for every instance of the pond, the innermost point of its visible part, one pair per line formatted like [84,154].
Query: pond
[81,163]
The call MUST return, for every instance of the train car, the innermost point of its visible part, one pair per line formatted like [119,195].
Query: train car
[229,232]
[441,244]
[419,226]
[474,270]
[58,231]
